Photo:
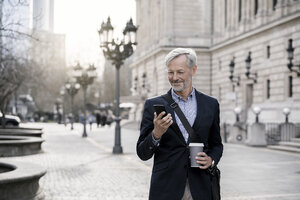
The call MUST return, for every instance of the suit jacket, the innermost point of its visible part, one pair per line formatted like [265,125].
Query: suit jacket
[171,167]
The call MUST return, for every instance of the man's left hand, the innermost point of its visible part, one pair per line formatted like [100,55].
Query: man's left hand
[204,160]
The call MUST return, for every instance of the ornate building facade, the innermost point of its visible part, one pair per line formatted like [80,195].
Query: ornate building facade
[223,32]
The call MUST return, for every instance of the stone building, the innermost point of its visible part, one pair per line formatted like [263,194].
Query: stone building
[221,31]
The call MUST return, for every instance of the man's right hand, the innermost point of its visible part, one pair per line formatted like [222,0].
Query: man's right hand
[161,124]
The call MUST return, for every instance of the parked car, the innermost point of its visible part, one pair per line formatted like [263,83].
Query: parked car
[10,120]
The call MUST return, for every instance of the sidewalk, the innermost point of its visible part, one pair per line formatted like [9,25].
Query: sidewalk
[85,169]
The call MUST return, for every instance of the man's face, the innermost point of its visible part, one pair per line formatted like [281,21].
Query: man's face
[179,74]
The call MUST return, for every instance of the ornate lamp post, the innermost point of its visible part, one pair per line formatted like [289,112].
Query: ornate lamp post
[84,77]
[117,52]
[72,89]
[250,75]
[97,96]
[62,93]
[233,79]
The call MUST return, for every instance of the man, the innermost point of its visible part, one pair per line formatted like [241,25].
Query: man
[166,138]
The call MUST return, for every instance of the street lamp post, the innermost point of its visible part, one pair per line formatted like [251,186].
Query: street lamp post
[256,111]
[72,89]
[286,112]
[233,79]
[237,111]
[291,66]
[117,52]
[248,74]
[97,96]
[62,93]
[84,77]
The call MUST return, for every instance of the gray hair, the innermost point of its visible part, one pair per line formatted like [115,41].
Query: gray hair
[189,53]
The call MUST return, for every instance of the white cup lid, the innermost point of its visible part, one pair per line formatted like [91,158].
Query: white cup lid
[196,145]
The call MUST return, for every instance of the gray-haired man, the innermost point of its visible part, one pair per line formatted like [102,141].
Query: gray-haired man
[167,139]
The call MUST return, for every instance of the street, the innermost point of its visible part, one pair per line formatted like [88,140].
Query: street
[85,168]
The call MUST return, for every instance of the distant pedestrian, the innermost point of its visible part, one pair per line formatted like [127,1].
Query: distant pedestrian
[110,117]
[81,118]
[98,118]
[59,118]
[90,120]
[103,118]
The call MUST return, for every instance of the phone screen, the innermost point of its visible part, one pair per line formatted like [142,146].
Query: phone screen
[160,108]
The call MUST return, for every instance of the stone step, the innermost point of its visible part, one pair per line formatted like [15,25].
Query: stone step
[295,140]
[290,144]
[284,148]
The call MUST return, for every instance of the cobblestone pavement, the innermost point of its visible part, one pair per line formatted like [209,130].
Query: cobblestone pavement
[85,169]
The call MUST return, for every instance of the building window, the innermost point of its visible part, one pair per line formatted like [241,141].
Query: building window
[274,4]
[268,51]
[255,7]
[290,94]
[268,89]
[249,95]
[220,64]
[240,10]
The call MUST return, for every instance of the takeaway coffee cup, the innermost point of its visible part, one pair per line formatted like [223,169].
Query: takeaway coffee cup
[195,148]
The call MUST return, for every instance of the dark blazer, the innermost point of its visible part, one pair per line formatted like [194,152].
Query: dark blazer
[171,166]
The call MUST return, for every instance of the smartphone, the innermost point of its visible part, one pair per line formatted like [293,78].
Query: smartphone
[160,108]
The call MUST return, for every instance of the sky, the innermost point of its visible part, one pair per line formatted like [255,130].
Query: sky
[80,20]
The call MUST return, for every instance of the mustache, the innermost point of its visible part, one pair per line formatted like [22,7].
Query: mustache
[177,81]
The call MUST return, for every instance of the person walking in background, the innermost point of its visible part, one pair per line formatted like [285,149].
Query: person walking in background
[90,120]
[110,117]
[167,140]
[98,118]
[103,118]
[81,118]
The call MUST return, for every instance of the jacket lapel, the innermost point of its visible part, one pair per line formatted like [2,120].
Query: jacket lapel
[200,110]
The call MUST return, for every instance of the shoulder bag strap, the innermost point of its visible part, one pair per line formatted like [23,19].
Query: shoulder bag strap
[179,113]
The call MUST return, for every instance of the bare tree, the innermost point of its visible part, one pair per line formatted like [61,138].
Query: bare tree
[14,68]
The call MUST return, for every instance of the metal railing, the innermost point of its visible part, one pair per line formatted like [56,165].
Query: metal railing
[272,133]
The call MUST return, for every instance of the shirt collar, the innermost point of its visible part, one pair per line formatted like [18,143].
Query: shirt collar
[177,97]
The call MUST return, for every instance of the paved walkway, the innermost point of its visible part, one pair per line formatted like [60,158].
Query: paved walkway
[85,169]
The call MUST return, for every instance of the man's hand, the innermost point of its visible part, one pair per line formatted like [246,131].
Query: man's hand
[161,124]
[204,160]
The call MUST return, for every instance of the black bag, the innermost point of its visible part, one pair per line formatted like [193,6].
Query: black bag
[215,175]
[213,172]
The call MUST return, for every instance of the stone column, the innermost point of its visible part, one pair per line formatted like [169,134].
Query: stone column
[280,7]
[269,9]
[235,15]
[244,16]
[168,20]
[230,15]
[247,14]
